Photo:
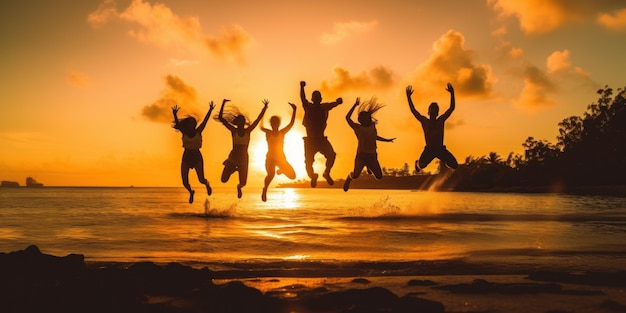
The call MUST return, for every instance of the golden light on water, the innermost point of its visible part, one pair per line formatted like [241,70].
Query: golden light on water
[297,257]
[288,198]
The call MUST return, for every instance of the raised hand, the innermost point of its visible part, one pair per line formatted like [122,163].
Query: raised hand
[293,106]
[339,100]
[266,102]
[302,83]
[409,90]
[358,100]
[450,88]
[211,105]
[175,109]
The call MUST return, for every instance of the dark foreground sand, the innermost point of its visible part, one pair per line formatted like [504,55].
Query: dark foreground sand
[34,282]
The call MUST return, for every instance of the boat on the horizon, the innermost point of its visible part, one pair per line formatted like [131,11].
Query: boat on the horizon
[31,182]
[6,183]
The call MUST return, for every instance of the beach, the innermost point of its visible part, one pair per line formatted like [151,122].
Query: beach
[71,249]
[37,282]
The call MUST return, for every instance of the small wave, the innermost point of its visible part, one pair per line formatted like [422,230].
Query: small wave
[546,252]
[485,217]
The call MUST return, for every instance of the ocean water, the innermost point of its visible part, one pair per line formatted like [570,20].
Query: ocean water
[378,229]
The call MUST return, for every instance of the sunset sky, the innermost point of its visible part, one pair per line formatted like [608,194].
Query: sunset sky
[87,85]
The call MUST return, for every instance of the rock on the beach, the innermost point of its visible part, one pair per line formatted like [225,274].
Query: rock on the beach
[236,297]
[32,264]
[375,299]
[35,282]
[418,282]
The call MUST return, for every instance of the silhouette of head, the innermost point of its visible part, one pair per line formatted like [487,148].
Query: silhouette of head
[367,109]
[239,121]
[316,97]
[275,122]
[365,118]
[187,125]
[433,109]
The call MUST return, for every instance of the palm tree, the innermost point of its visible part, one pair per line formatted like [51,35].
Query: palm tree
[494,158]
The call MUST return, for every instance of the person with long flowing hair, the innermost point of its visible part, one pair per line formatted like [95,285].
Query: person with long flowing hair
[192,142]
[240,128]
[367,135]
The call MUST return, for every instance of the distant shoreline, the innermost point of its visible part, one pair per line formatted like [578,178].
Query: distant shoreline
[432,183]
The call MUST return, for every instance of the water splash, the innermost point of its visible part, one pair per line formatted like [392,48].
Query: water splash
[381,208]
[209,211]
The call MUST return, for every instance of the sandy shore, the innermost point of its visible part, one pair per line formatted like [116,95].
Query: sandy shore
[35,282]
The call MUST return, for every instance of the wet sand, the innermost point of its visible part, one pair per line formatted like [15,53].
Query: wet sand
[36,282]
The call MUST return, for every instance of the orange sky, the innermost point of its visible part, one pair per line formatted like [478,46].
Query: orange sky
[87,85]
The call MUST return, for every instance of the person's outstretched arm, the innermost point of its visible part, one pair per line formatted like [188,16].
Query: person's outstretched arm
[206,118]
[385,139]
[409,93]
[332,105]
[448,112]
[293,119]
[220,116]
[258,119]
[302,94]
[352,124]
[262,127]
[175,109]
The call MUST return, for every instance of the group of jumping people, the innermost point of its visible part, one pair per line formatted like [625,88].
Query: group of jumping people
[314,121]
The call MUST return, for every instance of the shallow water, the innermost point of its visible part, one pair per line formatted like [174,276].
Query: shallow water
[316,226]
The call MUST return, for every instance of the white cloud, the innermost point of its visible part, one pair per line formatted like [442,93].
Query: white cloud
[615,21]
[158,25]
[343,30]
[451,62]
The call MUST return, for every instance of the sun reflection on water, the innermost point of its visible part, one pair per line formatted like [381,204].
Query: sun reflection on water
[288,198]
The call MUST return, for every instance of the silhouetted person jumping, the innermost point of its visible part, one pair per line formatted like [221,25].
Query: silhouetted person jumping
[367,136]
[192,142]
[433,127]
[315,118]
[237,160]
[275,157]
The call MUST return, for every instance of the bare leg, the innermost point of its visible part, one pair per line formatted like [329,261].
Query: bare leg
[449,159]
[243,178]
[376,170]
[269,167]
[184,173]
[229,169]
[356,171]
[426,158]
[286,169]
[202,179]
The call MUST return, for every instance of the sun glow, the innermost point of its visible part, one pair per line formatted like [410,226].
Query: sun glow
[293,148]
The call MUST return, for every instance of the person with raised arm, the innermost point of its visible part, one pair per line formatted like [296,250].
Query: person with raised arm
[314,121]
[192,142]
[433,127]
[275,161]
[367,135]
[240,129]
